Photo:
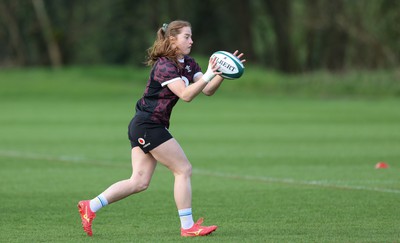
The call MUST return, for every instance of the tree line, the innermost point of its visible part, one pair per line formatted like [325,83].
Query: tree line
[287,35]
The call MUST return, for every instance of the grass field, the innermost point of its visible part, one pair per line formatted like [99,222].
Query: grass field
[266,168]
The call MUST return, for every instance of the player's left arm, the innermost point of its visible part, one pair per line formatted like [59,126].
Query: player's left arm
[213,85]
[216,82]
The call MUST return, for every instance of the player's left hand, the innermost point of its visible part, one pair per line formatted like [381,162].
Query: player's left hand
[239,56]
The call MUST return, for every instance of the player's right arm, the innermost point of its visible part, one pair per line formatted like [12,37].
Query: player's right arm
[188,93]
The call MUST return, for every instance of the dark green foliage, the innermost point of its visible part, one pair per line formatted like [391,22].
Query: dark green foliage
[289,36]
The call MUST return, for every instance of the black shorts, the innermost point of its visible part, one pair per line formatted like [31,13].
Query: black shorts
[147,135]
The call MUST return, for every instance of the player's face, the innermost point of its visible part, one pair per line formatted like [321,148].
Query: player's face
[183,41]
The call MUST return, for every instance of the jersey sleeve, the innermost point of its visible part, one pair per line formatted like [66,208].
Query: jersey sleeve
[165,72]
[197,70]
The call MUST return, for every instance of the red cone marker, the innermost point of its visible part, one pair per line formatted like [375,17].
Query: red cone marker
[381,165]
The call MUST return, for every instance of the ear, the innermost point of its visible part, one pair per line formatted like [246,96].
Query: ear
[172,39]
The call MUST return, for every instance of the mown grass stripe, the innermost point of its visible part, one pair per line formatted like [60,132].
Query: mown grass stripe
[265,179]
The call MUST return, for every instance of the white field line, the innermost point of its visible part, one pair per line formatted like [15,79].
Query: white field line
[267,179]
[264,179]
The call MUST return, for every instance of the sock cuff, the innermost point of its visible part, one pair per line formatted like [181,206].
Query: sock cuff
[185,212]
[102,200]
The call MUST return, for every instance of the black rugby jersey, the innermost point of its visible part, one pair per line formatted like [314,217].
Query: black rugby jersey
[158,100]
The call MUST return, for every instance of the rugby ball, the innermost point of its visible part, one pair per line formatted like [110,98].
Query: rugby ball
[230,66]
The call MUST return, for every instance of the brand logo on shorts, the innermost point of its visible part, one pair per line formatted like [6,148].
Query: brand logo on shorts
[141,141]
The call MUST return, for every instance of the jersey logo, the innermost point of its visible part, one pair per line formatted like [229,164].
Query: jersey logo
[188,68]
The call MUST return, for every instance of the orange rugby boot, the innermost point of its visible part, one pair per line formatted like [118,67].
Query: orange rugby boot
[87,216]
[198,230]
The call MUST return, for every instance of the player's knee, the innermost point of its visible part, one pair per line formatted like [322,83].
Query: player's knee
[185,170]
[138,186]
[142,186]
[189,170]
[139,182]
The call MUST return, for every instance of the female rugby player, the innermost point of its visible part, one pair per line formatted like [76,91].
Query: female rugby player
[174,75]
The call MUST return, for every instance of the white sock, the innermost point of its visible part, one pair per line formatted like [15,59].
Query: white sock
[98,202]
[186,218]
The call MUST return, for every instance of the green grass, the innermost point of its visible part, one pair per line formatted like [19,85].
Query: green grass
[274,168]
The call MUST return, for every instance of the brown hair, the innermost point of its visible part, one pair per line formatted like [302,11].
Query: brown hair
[162,45]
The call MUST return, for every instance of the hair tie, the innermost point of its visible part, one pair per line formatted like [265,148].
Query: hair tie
[164,27]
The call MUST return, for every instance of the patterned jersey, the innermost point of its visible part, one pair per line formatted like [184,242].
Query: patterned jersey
[156,105]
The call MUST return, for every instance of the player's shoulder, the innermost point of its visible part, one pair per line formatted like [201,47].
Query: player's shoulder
[163,64]
[164,61]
